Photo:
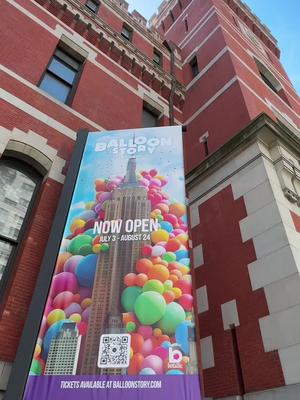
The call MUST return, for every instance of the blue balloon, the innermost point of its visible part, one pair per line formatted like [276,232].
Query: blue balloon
[86,269]
[51,334]
[181,254]
[166,226]
[166,345]
[147,371]
[182,336]
[90,232]
[185,261]
[86,215]
[175,372]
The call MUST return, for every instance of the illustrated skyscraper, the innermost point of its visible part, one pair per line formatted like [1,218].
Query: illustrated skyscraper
[129,201]
[64,351]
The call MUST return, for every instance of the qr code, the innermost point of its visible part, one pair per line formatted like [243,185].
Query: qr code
[114,351]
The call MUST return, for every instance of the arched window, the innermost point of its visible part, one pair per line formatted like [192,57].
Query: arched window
[19,183]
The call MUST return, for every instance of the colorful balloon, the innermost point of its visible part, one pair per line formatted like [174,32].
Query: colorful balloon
[150,307]
[86,269]
[173,316]
[129,297]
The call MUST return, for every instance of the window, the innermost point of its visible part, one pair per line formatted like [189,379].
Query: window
[127,32]
[157,57]
[17,181]
[268,77]
[194,66]
[186,25]
[92,5]
[60,77]
[172,16]
[150,117]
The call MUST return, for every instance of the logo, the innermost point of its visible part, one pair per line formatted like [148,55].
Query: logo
[175,358]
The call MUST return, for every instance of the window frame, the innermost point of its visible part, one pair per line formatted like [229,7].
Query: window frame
[32,173]
[96,2]
[151,110]
[130,30]
[73,87]
[194,63]
[160,56]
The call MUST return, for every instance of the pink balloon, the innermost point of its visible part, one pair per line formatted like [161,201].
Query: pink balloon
[158,251]
[160,352]
[153,172]
[65,281]
[155,363]
[63,300]
[145,331]
[186,302]
[171,218]
[147,347]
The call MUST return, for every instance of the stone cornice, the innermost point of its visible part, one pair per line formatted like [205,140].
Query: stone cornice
[259,129]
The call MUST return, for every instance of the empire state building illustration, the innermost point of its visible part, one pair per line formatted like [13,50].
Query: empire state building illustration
[129,201]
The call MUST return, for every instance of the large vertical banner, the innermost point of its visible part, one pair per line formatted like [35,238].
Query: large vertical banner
[119,321]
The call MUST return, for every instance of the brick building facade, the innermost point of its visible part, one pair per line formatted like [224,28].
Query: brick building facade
[212,66]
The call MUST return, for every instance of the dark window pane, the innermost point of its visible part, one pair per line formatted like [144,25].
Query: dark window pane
[92,5]
[63,71]
[149,119]
[72,62]
[194,67]
[55,87]
[5,250]
[267,81]
[157,58]
[126,33]
[15,189]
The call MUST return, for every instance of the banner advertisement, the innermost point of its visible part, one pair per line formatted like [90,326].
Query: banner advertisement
[119,322]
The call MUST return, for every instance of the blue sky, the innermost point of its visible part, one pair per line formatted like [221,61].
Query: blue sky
[281,17]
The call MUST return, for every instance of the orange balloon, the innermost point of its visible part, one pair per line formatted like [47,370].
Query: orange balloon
[159,272]
[141,279]
[173,278]
[137,342]
[169,296]
[163,338]
[135,364]
[173,245]
[156,260]
[177,273]
[61,259]
[183,238]
[143,265]
[128,317]
[177,209]
[129,279]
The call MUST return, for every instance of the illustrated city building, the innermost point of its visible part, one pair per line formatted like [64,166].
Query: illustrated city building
[129,201]
[213,67]
[64,351]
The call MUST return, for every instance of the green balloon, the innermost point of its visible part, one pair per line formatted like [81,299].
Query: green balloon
[173,316]
[81,245]
[150,307]
[130,327]
[129,297]
[169,257]
[36,368]
[154,285]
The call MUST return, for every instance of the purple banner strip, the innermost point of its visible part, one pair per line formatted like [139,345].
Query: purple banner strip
[156,387]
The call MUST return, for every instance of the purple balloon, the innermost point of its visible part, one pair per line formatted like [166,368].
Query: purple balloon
[71,263]
[72,309]
[86,314]
[85,293]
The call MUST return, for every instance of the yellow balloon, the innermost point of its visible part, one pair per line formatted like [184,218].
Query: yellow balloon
[177,292]
[55,316]
[77,223]
[159,236]
[75,317]
[37,350]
